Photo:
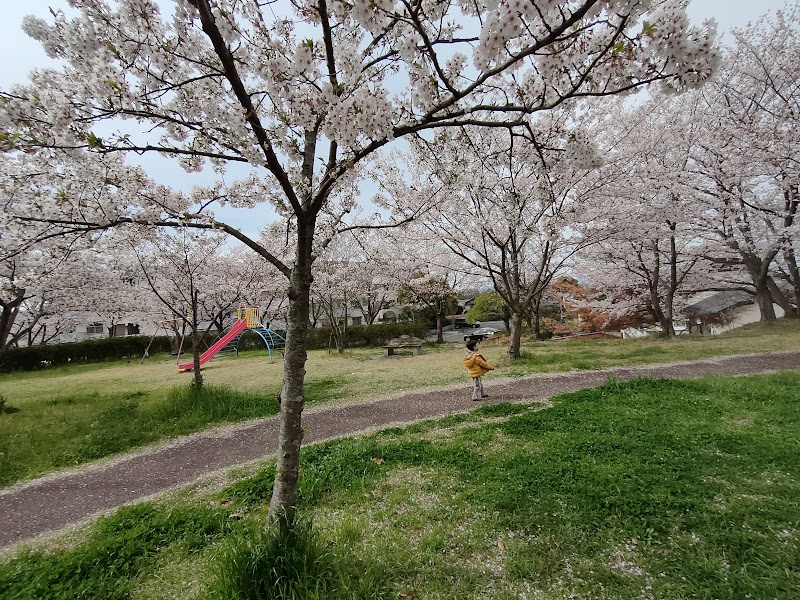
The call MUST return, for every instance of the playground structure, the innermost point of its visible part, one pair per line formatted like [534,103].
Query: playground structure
[248,319]
[165,324]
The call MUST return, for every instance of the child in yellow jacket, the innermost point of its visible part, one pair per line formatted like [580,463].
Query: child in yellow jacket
[477,366]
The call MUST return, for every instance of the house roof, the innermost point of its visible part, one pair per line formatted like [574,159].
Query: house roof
[718,302]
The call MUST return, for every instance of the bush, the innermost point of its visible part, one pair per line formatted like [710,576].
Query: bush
[357,335]
[131,347]
[89,351]
[366,335]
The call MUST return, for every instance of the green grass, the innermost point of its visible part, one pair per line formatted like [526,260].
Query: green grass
[67,416]
[121,548]
[72,429]
[553,356]
[287,563]
[649,488]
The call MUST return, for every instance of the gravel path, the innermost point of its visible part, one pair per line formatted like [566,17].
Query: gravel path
[63,499]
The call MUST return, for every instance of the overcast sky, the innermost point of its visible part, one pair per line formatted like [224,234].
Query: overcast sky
[21,54]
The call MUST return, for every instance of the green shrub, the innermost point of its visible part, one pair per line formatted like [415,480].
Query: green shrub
[319,338]
[129,347]
[90,351]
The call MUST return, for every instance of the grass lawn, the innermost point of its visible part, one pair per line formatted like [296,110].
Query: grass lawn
[644,489]
[68,416]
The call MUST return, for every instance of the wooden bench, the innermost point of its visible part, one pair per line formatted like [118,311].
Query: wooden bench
[417,348]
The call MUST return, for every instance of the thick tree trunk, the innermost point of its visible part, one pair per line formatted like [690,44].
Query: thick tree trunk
[663,319]
[284,494]
[764,299]
[794,275]
[663,315]
[792,201]
[8,316]
[440,328]
[779,298]
[516,335]
[758,270]
[668,325]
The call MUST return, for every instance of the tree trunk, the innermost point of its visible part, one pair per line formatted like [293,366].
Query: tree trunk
[669,324]
[792,201]
[516,335]
[198,376]
[284,493]
[794,275]
[343,336]
[779,298]
[8,316]
[338,337]
[664,316]
[759,273]
[439,328]
[764,299]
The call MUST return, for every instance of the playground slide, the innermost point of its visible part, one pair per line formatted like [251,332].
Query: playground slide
[238,327]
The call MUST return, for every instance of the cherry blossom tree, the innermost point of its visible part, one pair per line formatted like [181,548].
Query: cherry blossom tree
[334,287]
[305,95]
[430,286]
[653,244]
[258,284]
[118,293]
[747,163]
[761,83]
[182,271]
[41,286]
[374,268]
[511,203]
[37,307]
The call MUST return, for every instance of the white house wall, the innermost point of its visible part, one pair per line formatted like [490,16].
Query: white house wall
[744,315]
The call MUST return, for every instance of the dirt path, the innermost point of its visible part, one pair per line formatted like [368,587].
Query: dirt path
[57,501]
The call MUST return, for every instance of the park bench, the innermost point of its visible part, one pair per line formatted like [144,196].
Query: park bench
[403,342]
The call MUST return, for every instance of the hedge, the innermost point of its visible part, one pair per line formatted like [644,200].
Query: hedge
[357,335]
[88,351]
[130,347]
[366,335]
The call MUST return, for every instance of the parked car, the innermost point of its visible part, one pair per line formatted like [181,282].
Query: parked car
[481,333]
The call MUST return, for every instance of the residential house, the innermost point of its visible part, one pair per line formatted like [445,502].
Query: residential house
[717,312]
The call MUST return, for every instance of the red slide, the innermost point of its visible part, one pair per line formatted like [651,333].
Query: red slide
[237,328]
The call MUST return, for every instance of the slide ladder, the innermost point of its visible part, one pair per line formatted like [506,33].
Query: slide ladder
[238,328]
